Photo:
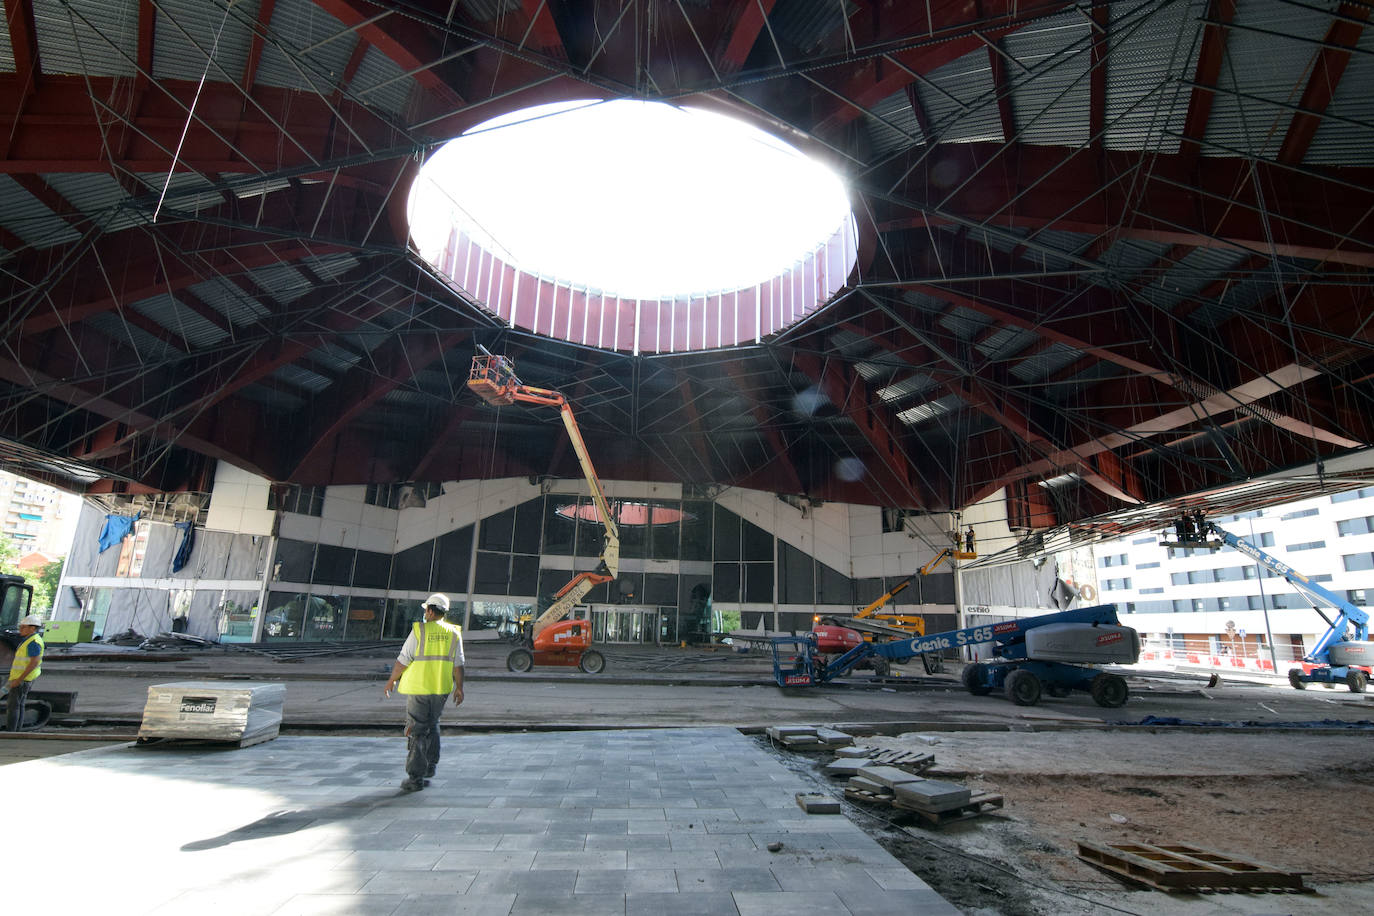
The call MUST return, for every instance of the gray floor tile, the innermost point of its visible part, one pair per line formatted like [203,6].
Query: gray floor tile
[350,904]
[568,905]
[595,858]
[429,882]
[897,903]
[626,881]
[789,903]
[547,883]
[448,905]
[705,904]
[702,880]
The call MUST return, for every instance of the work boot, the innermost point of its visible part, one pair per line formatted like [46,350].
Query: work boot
[414,785]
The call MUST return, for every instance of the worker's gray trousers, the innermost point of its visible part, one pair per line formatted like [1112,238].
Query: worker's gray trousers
[422,727]
[14,706]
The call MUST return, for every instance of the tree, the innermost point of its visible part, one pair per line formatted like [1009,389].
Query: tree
[9,556]
[44,583]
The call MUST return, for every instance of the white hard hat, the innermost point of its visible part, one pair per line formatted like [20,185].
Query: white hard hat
[438,600]
[33,620]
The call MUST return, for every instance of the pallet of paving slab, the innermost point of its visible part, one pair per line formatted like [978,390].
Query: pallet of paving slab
[867,797]
[911,761]
[979,803]
[1179,867]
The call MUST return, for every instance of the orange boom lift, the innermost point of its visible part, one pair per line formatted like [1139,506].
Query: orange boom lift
[550,640]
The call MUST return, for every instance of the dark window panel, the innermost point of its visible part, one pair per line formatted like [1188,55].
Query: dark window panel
[628,588]
[371,570]
[411,568]
[796,577]
[285,617]
[726,537]
[453,561]
[832,586]
[758,583]
[529,518]
[524,575]
[664,536]
[694,608]
[937,588]
[726,582]
[497,531]
[634,539]
[867,591]
[333,565]
[660,588]
[364,623]
[493,573]
[696,530]
[758,544]
[295,559]
[560,532]
[909,595]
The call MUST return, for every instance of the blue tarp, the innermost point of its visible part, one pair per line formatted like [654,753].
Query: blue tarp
[188,543]
[117,528]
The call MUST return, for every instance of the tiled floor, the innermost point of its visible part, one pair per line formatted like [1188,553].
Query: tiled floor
[662,822]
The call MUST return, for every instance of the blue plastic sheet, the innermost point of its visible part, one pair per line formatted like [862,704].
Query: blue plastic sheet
[188,543]
[117,528]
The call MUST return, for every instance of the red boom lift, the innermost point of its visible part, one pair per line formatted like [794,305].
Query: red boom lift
[550,640]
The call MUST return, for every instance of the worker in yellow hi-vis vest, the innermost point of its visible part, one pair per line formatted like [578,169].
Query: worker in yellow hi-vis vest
[24,670]
[429,668]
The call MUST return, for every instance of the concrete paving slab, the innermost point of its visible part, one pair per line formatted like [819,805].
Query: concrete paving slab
[319,825]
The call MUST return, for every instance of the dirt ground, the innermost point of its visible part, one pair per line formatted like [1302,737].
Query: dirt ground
[1301,803]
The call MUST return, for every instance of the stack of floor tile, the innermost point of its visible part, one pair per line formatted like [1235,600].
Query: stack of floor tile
[226,711]
[808,737]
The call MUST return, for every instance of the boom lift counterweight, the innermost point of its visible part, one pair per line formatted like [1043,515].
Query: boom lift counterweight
[548,641]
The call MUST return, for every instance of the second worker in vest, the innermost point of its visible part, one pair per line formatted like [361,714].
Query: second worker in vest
[429,668]
[28,656]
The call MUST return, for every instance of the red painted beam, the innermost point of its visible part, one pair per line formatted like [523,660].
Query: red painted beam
[1001,87]
[1209,61]
[250,66]
[23,42]
[1327,69]
[391,365]
[400,38]
[1212,203]
[542,30]
[749,17]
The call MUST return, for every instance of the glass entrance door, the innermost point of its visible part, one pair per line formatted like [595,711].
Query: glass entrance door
[622,624]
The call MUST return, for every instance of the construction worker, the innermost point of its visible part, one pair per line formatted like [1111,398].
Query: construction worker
[24,670]
[968,540]
[429,667]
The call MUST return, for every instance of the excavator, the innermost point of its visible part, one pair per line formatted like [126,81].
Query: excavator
[549,639]
[839,634]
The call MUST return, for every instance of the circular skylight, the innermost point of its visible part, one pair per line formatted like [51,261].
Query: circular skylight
[633,199]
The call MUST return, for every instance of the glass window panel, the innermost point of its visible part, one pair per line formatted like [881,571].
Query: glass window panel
[454,559]
[628,588]
[938,588]
[694,608]
[529,519]
[493,573]
[758,583]
[660,588]
[497,531]
[371,570]
[591,534]
[664,530]
[725,581]
[758,544]
[560,525]
[727,535]
[796,579]
[696,530]
[324,618]
[294,561]
[524,576]
[634,538]
[333,565]
[833,587]
[364,622]
[867,591]
[411,568]
[285,618]
[401,613]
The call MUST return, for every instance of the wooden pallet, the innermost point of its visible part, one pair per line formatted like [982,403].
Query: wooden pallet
[1182,868]
[979,803]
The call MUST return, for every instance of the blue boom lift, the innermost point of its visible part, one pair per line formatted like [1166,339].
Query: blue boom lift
[1344,653]
[1051,652]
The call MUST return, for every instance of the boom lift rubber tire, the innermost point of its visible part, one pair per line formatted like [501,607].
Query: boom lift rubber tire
[520,660]
[1295,678]
[1110,690]
[972,678]
[933,664]
[1023,687]
[1356,681]
[592,662]
[881,667]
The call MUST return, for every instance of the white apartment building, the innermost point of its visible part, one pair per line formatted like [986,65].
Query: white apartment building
[1225,603]
[36,517]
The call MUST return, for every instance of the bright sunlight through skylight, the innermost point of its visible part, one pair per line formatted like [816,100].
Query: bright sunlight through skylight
[634,199]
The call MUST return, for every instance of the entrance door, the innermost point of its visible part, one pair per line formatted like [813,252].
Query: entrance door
[623,624]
